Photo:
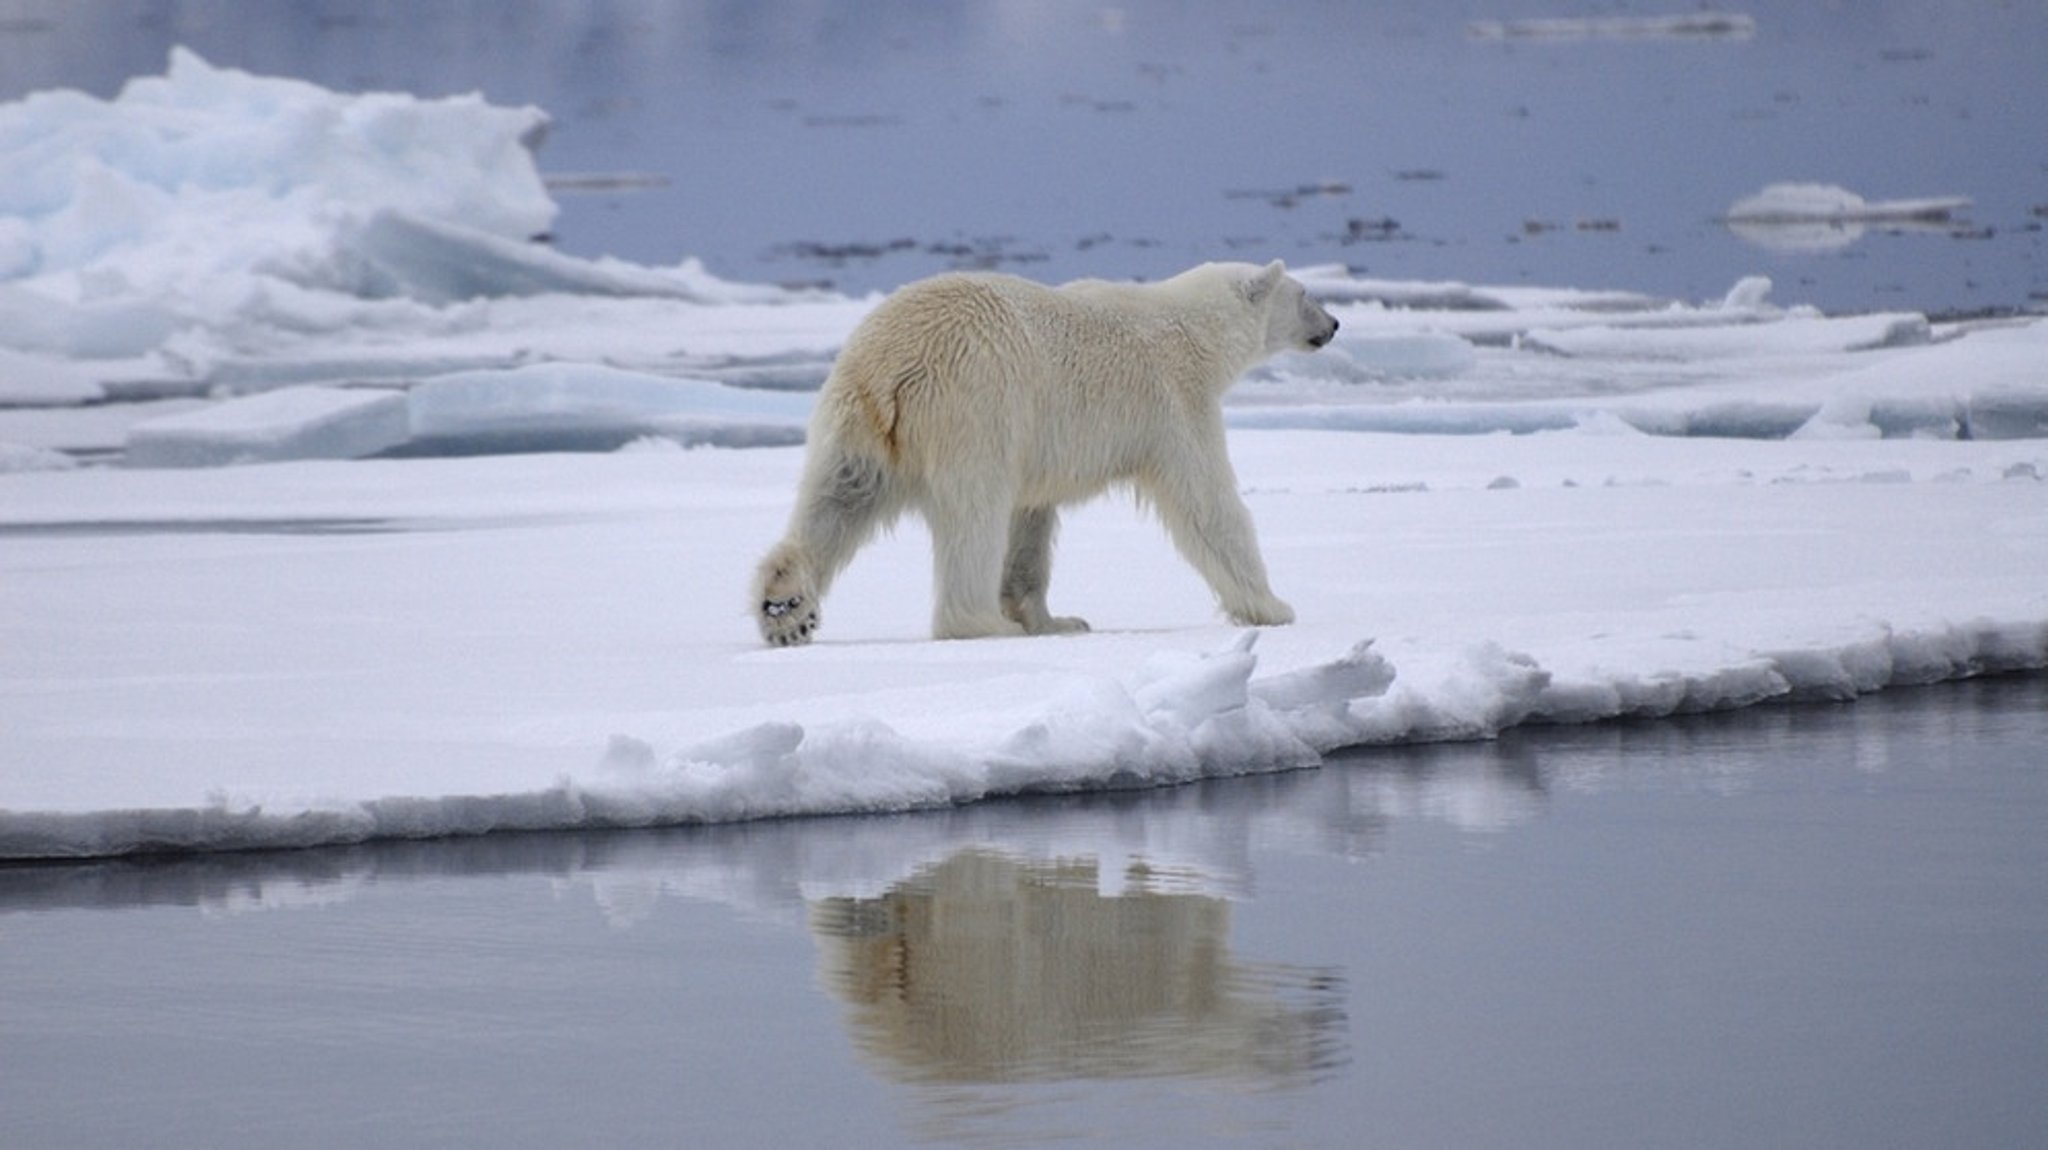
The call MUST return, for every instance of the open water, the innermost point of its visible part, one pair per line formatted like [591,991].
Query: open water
[864,145]
[1819,926]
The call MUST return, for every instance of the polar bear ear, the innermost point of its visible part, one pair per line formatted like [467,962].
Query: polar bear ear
[1261,285]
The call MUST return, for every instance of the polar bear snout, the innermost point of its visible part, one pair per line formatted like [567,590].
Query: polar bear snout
[1314,326]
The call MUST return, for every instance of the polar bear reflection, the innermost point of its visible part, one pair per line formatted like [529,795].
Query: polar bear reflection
[984,968]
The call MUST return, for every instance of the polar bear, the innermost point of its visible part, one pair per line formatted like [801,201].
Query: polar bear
[986,402]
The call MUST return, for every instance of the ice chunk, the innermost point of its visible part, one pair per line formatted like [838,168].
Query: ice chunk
[27,457]
[2008,413]
[1377,354]
[437,261]
[172,199]
[1332,283]
[1487,690]
[1318,701]
[1422,354]
[1411,418]
[1793,335]
[292,423]
[1989,384]
[1750,293]
[394,252]
[35,381]
[1887,417]
[542,406]
[96,329]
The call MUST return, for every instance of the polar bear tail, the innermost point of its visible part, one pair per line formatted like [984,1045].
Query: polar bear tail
[844,499]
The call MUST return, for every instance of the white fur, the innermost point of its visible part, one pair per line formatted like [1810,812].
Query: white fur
[986,402]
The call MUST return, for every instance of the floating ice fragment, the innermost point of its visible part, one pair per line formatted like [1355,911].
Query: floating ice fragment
[1568,29]
[1794,203]
[1822,217]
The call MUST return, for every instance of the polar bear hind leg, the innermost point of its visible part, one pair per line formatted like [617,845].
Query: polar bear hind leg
[1028,569]
[969,546]
[841,503]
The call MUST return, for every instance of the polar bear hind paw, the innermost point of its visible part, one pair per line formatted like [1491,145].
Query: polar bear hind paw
[1268,612]
[788,622]
[785,597]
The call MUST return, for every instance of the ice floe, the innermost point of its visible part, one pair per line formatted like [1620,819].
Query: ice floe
[1702,504]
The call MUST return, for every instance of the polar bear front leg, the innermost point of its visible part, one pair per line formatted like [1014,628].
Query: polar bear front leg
[1027,571]
[1196,496]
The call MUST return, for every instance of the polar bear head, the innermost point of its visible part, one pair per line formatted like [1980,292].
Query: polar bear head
[1294,322]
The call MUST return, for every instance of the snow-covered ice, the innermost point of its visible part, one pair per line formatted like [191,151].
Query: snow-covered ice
[552,403]
[303,422]
[1489,506]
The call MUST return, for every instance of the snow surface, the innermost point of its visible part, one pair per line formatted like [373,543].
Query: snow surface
[1489,506]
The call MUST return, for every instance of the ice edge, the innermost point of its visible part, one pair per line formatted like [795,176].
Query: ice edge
[1180,720]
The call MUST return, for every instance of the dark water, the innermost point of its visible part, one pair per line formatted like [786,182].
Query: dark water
[866,144]
[1804,927]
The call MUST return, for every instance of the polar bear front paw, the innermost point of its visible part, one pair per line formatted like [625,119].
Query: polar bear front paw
[788,622]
